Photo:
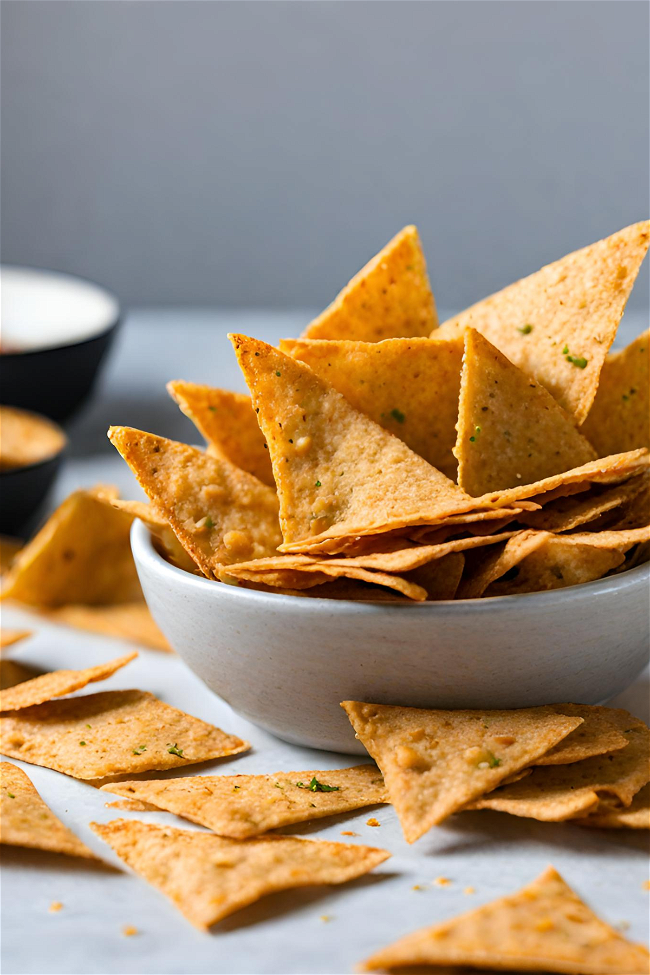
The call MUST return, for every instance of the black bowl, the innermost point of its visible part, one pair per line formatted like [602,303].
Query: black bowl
[56,379]
[23,495]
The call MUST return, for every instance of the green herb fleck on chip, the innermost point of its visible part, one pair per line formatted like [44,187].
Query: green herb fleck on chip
[397,415]
[525,329]
[139,750]
[175,750]
[316,786]
[318,484]
[11,795]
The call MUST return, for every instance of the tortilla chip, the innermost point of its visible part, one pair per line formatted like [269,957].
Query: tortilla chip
[219,513]
[567,513]
[620,416]
[227,422]
[558,324]
[12,673]
[634,816]
[606,470]
[9,637]
[126,621]
[553,562]
[338,473]
[441,577]
[619,541]
[599,734]
[558,792]
[408,386]
[168,545]
[130,731]
[510,429]
[247,805]
[389,298]
[82,554]
[58,683]
[434,762]
[303,572]
[132,805]
[635,512]
[9,549]
[543,927]
[209,877]
[27,438]
[488,564]
[414,556]
[25,820]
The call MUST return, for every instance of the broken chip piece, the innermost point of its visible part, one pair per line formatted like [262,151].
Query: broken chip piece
[57,683]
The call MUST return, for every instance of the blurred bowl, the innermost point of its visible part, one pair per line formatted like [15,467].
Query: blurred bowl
[31,450]
[56,330]
[286,662]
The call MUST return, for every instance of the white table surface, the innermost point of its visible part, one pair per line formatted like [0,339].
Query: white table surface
[284,933]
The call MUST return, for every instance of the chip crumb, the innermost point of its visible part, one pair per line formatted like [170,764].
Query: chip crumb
[373,822]
[470,890]
[55,906]
[128,931]
[442,881]
[325,918]
[348,832]
[417,887]
[646,885]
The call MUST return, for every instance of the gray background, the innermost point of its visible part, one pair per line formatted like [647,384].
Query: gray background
[257,153]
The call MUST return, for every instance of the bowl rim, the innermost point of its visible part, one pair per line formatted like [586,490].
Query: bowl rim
[112,324]
[144,551]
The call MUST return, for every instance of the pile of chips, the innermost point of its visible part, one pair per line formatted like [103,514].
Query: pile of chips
[382,456]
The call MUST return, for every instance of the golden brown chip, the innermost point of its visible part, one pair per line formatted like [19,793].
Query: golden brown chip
[25,820]
[57,683]
[635,512]
[434,762]
[304,572]
[557,325]
[390,297]
[609,816]
[9,637]
[126,621]
[111,733]
[488,564]
[543,927]
[338,473]
[132,805]
[228,424]
[441,577]
[510,429]
[599,734]
[81,555]
[247,805]
[12,673]
[408,386]
[27,438]
[556,562]
[619,418]
[558,792]
[219,513]
[413,556]
[619,541]
[567,513]
[209,877]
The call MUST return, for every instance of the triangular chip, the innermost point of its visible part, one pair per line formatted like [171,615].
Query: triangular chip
[599,734]
[57,683]
[543,927]
[559,792]
[389,298]
[219,513]
[552,562]
[167,543]
[337,472]
[209,877]
[558,324]
[606,470]
[112,733]
[126,621]
[433,762]
[407,386]
[25,820]
[620,416]
[510,429]
[228,424]
[570,512]
[634,816]
[82,554]
[9,637]
[247,805]
[441,577]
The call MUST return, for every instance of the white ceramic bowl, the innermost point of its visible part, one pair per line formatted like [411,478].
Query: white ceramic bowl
[285,662]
